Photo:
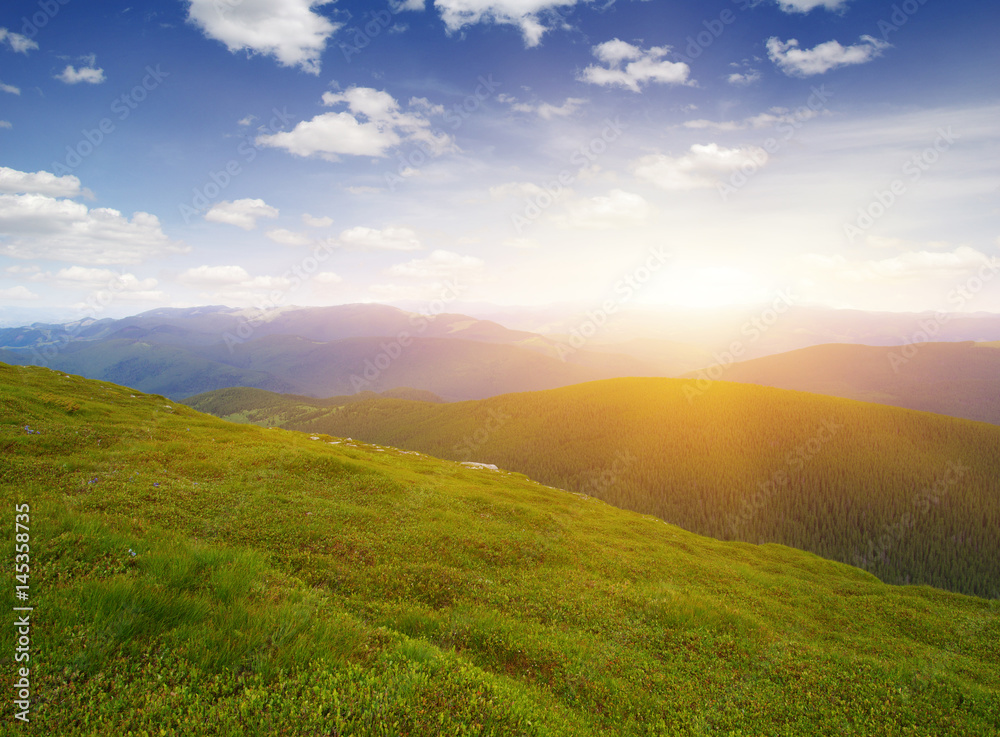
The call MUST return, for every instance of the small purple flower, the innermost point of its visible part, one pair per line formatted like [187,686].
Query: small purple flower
[156,483]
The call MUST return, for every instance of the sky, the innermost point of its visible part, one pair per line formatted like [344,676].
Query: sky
[263,153]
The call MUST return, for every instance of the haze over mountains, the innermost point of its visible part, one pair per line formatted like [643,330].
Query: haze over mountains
[958,379]
[326,351]
[319,351]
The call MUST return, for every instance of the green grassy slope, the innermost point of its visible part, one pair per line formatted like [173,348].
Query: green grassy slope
[282,585]
[886,489]
[957,379]
[268,409]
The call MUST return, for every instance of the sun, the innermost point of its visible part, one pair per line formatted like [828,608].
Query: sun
[707,287]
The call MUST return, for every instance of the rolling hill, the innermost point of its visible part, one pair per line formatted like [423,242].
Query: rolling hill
[194,576]
[957,379]
[912,497]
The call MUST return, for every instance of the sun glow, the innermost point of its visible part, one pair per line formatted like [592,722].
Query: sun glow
[707,287]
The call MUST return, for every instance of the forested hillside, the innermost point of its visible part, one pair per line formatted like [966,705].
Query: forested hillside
[910,496]
[191,576]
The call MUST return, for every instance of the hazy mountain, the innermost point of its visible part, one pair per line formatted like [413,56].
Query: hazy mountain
[322,352]
[781,326]
[958,379]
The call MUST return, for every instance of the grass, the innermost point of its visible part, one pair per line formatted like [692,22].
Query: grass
[289,586]
[864,484]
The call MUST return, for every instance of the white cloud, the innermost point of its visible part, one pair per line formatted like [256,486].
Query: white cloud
[387,239]
[10,88]
[798,62]
[81,275]
[72,75]
[288,237]
[5,124]
[772,117]
[545,110]
[701,167]
[327,277]
[241,213]
[743,79]
[23,269]
[525,14]
[521,243]
[247,120]
[122,284]
[440,264]
[614,210]
[288,30]
[13,181]
[372,124]
[316,222]
[18,292]
[214,275]
[909,265]
[232,284]
[424,104]
[364,189]
[804,6]
[523,189]
[37,226]
[16,41]
[644,66]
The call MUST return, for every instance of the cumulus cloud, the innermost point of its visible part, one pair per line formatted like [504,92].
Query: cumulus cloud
[373,124]
[701,167]
[13,181]
[214,275]
[327,277]
[524,189]
[544,110]
[774,116]
[241,213]
[798,62]
[387,239]
[19,292]
[122,284]
[72,75]
[288,30]
[36,226]
[316,222]
[530,16]
[614,210]
[744,79]
[440,264]
[632,67]
[232,284]
[10,89]
[289,237]
[84,276]
[804,6]
[16,41]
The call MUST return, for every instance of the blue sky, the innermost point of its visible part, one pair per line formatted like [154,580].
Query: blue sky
[276,152]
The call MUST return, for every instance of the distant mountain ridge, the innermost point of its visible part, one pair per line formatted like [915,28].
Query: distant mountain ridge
[322,351]
[957,379]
